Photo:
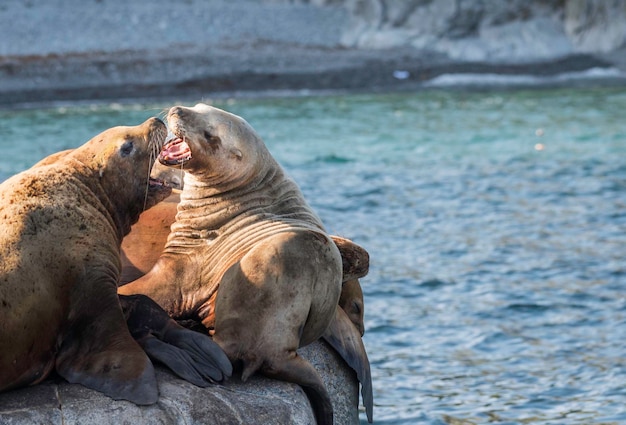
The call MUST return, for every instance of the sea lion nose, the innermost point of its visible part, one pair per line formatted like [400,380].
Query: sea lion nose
[175,110]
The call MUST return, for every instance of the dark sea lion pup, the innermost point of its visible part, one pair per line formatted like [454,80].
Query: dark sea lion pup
[62,224]
[248,257]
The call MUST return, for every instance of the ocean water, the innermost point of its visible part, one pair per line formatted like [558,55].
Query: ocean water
[496,225]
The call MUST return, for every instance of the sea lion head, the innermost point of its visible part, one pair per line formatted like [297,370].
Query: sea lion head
[120,159]
[213,145]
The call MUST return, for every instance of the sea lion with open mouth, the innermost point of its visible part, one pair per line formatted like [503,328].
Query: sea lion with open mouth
[63,221]
[249,258]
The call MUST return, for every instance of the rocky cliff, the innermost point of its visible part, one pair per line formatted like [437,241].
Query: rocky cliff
[104,49]
[486,30]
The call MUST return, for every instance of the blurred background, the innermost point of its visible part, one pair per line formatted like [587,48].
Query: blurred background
[95,49]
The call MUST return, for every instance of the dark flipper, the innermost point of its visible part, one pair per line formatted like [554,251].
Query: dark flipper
[98,352]
[298,370]
[179,361]
[113,375]
[193,356]
[343,336]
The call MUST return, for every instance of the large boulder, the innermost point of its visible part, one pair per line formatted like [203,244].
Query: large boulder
[260,400]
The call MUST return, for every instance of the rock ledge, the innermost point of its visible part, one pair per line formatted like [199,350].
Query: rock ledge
[260,400]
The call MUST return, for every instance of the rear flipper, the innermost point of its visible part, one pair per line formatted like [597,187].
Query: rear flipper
[343,336]
[298,370]
[191,355]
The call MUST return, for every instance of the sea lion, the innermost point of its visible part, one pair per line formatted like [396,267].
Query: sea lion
[244,227]
[63,221]
[351,301]
[142,247]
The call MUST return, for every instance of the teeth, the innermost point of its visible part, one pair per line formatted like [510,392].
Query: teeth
[176,150]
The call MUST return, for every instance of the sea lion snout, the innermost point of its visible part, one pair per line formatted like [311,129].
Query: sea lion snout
[176,110]
[153,122]
[157,131]
[178,115]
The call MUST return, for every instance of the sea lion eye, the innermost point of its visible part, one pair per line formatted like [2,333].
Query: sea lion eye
[126,148]
[214,142]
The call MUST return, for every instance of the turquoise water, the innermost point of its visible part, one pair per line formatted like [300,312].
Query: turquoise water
[496,225]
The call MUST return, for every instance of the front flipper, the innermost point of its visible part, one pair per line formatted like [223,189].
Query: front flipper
[191,355]
[343,336]
[98,352]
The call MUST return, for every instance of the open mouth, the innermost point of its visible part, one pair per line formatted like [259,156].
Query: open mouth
[175,152]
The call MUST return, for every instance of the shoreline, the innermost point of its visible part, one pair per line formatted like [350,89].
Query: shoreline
[116,51]
[123,77]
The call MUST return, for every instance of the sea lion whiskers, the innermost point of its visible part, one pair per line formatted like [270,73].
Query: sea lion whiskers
[154,148]
[145,197]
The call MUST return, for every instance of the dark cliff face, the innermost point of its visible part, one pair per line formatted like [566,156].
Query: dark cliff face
[487,30]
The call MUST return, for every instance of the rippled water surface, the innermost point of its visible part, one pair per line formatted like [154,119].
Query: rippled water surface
[496,225]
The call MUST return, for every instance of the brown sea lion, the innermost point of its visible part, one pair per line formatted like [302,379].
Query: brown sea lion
[142,247]
[351,301]
[244,227]
[62,224]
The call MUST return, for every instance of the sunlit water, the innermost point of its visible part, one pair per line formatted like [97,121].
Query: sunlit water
[496,225]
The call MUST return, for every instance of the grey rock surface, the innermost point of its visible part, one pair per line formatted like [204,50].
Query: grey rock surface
[488,30]
[258,401]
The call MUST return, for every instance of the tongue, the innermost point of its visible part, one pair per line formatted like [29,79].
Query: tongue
[176,150]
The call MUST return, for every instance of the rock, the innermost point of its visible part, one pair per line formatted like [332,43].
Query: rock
[260,400]
[489,30]
[596,25]
[468,30]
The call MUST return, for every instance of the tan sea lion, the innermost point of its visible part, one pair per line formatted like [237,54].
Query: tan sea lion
[62,224]
[244,227]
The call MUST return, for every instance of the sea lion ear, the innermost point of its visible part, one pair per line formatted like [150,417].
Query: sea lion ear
[236,153]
